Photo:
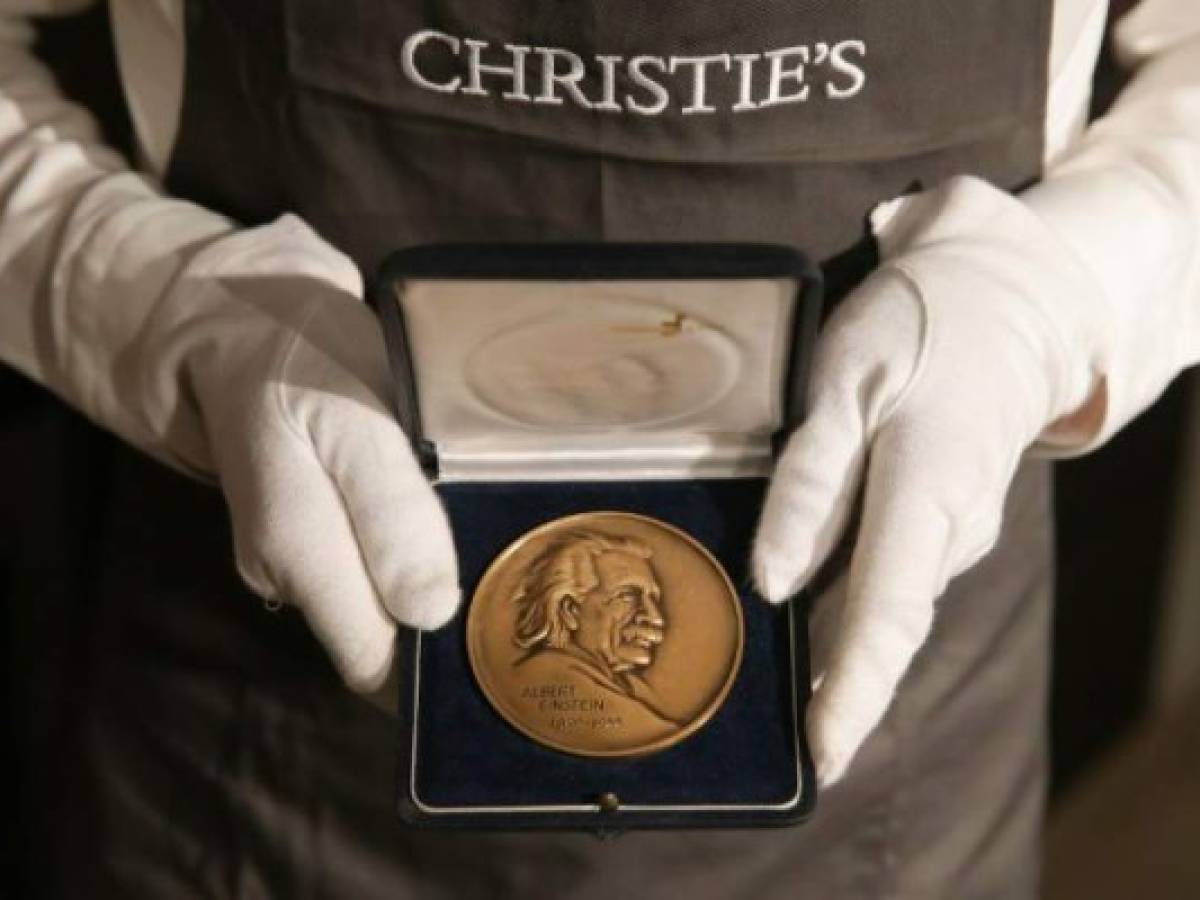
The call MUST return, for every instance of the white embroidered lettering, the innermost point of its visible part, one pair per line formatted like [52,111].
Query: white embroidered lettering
[515,71]
[839,63]
[568,81]
[643,85]
[408,60]
[638,76]
[608,75]
[699,66]
[780,75]
[746,63]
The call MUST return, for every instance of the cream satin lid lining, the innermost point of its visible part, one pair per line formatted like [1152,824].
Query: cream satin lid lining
[537,379]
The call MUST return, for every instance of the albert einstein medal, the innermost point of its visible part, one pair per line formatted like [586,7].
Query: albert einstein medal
[605,634]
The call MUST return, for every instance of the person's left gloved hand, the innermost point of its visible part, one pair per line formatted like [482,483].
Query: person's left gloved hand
[980,330]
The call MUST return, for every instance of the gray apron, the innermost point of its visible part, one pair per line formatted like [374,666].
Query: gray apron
[217,753]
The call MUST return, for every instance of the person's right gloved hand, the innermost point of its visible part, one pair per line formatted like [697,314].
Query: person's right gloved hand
[284,371]
[240,355]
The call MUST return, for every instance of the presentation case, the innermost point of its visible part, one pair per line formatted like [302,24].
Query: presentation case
[541,381]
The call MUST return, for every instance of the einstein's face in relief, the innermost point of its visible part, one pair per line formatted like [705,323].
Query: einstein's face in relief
[619,620]
[595,597]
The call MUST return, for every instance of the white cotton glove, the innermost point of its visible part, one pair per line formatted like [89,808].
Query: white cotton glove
[240,355]
[979,331]
[285,369]
[993,323]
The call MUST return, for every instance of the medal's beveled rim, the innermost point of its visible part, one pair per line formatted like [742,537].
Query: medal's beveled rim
[497,565]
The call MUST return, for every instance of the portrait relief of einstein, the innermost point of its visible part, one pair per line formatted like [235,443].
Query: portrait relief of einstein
[589,610]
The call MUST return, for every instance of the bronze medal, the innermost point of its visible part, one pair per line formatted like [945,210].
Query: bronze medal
[605,634]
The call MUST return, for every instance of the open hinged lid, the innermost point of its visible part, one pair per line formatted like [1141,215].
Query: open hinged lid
[598,362]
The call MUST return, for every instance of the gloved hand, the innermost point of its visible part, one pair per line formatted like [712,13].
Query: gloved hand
[287,370]
[240,355]
[979,331]
[993,323]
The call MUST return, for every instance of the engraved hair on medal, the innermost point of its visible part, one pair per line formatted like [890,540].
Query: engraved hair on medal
[591,604]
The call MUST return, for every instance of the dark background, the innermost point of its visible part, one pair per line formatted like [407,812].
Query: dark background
[1115,512]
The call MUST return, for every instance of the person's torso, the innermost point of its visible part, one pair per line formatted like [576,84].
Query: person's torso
[151,37]
[393,124]
[387,124]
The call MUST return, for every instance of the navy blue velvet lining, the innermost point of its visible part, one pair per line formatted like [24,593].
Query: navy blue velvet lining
[468,755]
